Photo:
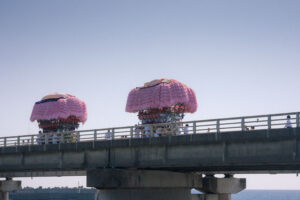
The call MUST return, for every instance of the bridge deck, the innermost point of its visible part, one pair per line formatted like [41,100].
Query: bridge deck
[256,151]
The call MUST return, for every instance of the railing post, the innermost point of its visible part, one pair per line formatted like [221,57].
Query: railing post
[218,126]
[194,128]
[151,130]
[62,137]
[113,134]
[269,122]
[32,140]
[297,120]
[77,135]
[131,132]
[95,135]
[5,142]
[46,138]
[18,141]
[243,124]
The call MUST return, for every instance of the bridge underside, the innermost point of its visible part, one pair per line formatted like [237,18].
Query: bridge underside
[257,151]
[125,184]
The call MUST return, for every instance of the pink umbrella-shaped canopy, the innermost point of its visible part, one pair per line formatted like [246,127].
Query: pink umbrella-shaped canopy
[161,93]
[55,106]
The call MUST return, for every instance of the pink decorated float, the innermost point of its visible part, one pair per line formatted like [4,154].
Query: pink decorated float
[161,101]
[59,112]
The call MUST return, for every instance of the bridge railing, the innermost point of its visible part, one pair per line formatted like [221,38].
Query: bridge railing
[214,126]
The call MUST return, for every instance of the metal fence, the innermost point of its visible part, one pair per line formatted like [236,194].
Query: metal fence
[216,126]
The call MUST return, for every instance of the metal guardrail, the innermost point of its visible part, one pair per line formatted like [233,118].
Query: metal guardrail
[216,126]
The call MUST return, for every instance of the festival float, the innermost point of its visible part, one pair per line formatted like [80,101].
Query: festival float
[56,113]
[161,101]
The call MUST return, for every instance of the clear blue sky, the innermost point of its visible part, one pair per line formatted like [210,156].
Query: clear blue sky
[241,58]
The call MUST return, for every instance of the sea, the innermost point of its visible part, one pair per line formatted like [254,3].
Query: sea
[267,195]
[88,194]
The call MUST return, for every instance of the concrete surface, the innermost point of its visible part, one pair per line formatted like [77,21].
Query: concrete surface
[211,197]
[8,186]
[223,185]
[115,184]
[141,179]
[258,151]
[145,194]
[4,195]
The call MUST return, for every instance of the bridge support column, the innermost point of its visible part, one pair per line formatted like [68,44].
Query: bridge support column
[220,188]
[8,186]
[115,184]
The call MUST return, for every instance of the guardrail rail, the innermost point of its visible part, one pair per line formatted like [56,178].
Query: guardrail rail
[216,126]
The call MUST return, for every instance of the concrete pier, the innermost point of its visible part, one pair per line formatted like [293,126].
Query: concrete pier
[122,184]
[145,194]
[114,184]
[220,188]
[7,186]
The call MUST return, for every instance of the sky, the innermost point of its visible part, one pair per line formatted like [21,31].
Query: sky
[240,57]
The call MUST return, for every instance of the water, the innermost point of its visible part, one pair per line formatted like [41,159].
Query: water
[88,194]
[267,195]
[54,194]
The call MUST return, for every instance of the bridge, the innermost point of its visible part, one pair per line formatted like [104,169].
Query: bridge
[123,161]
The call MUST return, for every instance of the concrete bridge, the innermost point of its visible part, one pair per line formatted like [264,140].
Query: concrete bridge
[125,163]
